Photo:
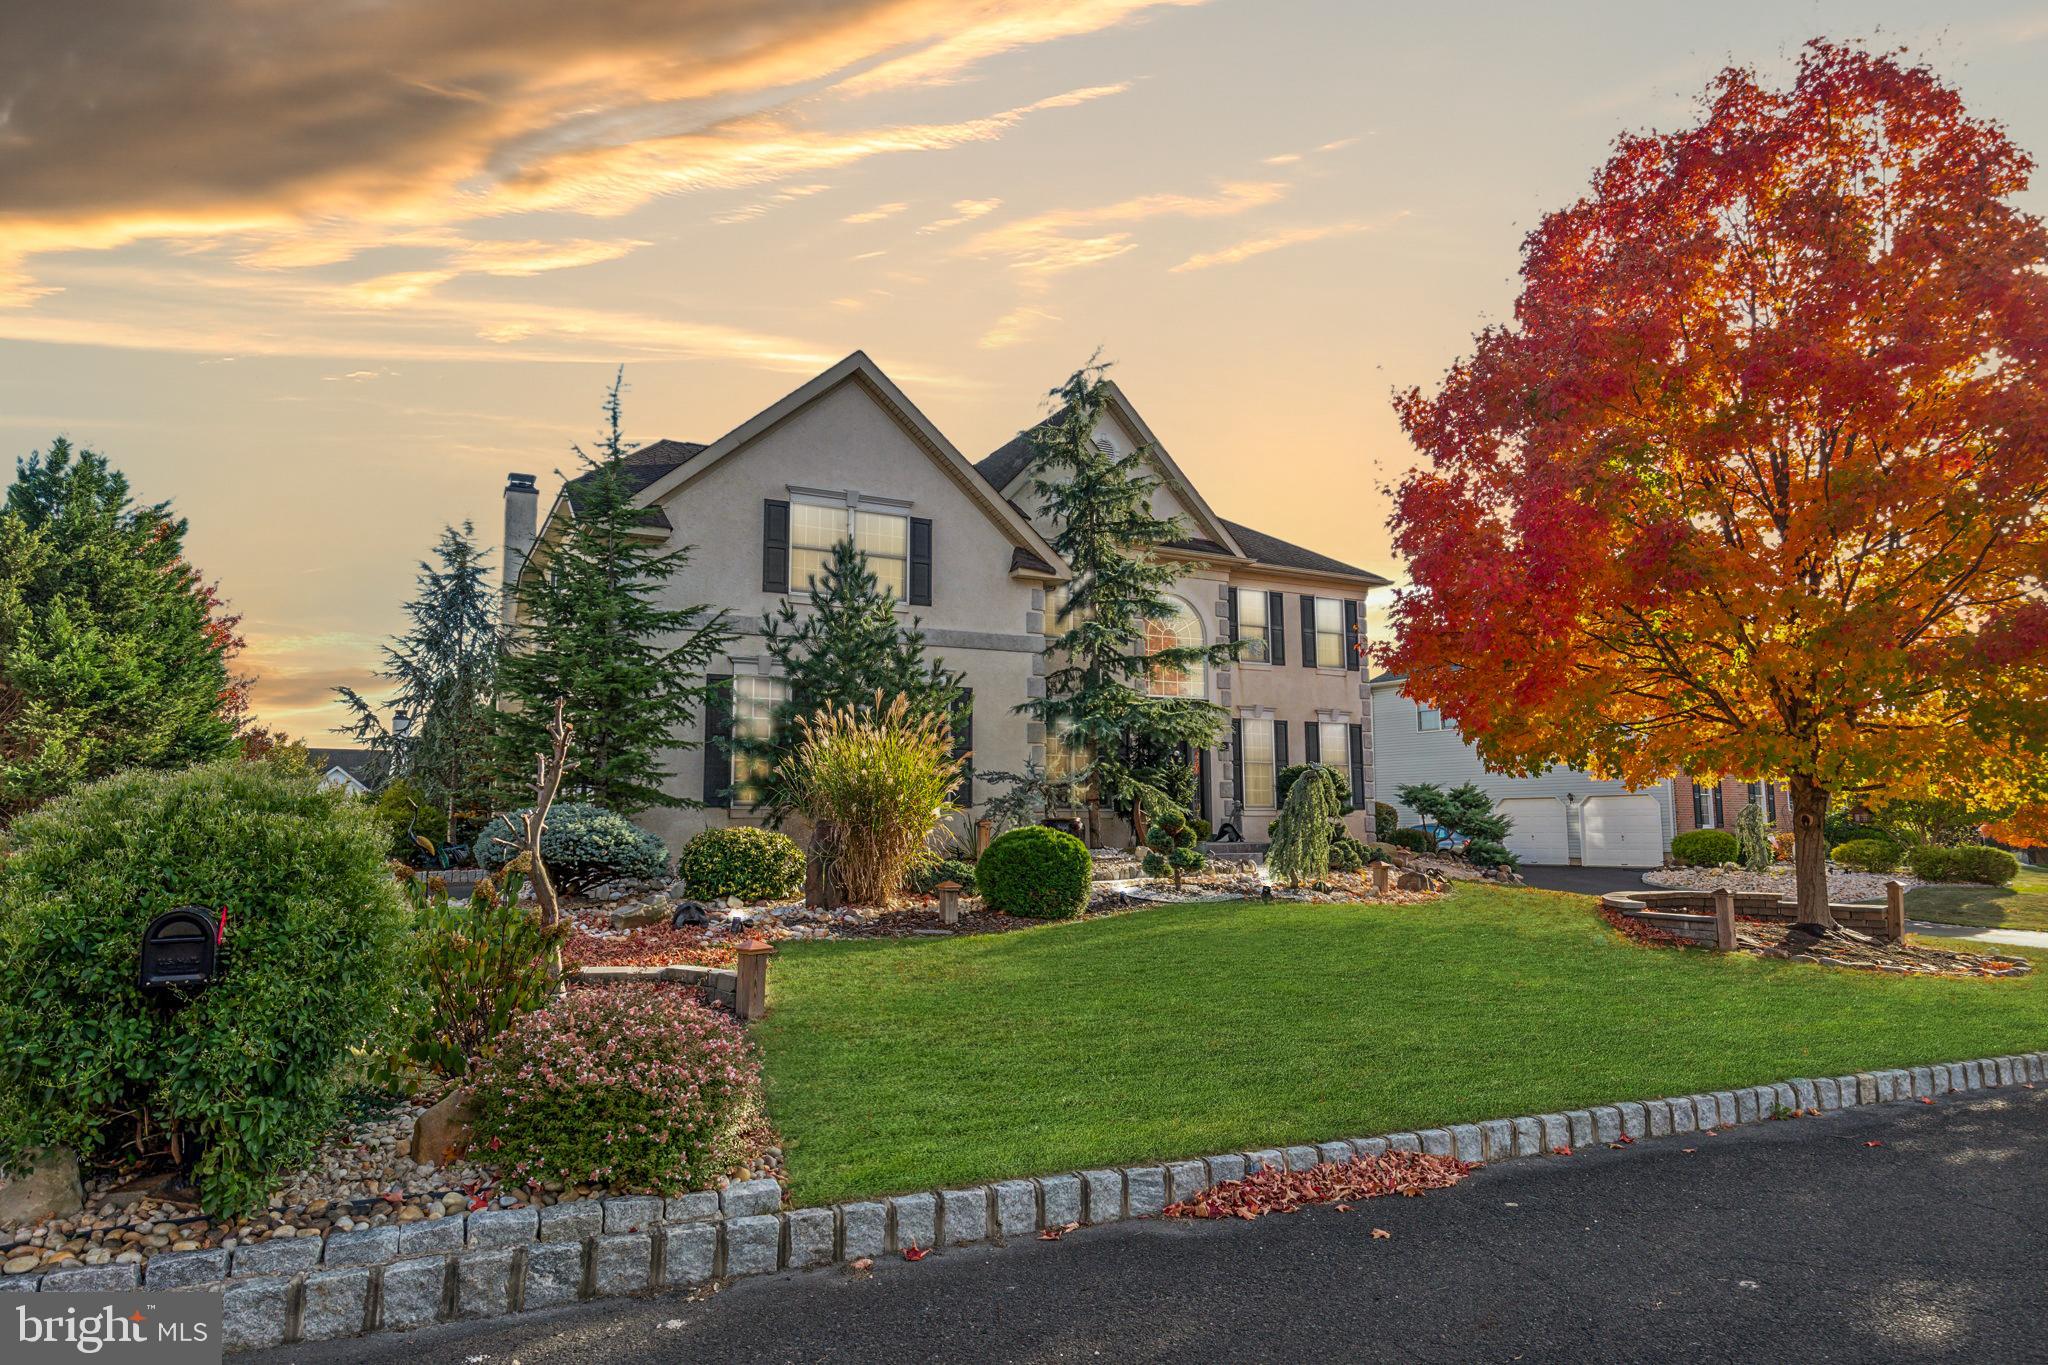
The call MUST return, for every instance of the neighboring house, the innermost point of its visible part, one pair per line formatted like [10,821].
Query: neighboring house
[1297,692]
[1561,816]
[848,453]
[343,768]
[1714,805]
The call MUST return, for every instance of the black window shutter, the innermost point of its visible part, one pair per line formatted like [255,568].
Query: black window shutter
[1308,631]
[920,561]
[774,546]
[1351,635]
[963,745]
[1311,742]
[1237,762]
[1279,747]
[1236,597]
[1358,767]
[718,733]
[1276,627]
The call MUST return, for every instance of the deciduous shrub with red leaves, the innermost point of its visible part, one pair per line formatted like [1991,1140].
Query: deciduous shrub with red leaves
[632,1087]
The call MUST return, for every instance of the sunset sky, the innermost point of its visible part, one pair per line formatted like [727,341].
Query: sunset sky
[322,274]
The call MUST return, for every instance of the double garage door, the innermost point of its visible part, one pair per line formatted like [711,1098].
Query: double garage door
[1614,831]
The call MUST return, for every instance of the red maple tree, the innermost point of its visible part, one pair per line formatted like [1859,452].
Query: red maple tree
[1754,482]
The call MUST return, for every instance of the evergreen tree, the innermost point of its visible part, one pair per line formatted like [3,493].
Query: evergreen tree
[1100,506]
[592,631]
[843,651]
[112,653]
[443,672]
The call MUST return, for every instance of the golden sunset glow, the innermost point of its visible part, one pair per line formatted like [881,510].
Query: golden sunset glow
[322,275]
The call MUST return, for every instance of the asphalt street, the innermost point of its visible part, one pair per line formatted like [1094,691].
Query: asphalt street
[1901,1232]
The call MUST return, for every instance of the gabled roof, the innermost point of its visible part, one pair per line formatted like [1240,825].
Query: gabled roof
[354,762]
[642,467]
[1006,464]
[683,461]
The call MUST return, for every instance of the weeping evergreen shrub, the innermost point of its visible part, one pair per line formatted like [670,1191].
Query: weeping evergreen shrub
[1753,838]
[1300,850]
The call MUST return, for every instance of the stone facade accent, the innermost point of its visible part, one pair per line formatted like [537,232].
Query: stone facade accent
[310,1289]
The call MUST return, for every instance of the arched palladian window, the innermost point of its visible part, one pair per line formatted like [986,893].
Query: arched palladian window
[1181,628]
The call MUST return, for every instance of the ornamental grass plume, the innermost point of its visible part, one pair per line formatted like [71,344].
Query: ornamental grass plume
[881,779]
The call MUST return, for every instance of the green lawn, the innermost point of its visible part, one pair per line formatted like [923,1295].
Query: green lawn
[2023,905]
[1179,1032]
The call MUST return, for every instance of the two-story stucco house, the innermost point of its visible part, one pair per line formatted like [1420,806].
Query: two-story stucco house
[847,454]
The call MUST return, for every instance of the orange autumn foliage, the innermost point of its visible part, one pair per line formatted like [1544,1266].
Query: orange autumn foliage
[1754,482]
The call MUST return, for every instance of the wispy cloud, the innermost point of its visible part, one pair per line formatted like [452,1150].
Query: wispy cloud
[991,29]
[875,214]
[1273,241]
[1061,240]
[1015,325]
[964,211]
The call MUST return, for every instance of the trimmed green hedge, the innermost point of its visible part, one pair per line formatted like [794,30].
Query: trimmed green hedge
[1867,855]
[1969,863]
[1037,872]
[1414,840]
[1704,848]
[740,860]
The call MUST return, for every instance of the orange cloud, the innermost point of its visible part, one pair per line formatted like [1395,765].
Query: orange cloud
[1052,243]
[1271,241]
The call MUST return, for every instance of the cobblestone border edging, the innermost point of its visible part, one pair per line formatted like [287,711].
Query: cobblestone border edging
[501,1261]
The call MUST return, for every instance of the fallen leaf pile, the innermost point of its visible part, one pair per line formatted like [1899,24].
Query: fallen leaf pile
[1370,1177]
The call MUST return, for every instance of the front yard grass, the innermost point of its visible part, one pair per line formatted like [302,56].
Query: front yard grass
[1197,1029]
[2022,905]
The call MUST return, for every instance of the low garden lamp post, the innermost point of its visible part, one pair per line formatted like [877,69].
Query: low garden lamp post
[750,995]
[949,903]
[1379,879]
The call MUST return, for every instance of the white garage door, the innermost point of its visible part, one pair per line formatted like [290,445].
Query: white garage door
[1621,831]
[1538,833]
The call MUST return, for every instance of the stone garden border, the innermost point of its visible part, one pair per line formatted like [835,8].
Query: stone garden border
[500,1261]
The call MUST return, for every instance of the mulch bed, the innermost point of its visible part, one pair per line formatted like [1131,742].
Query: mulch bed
[1846,948]
[1368,1177]
[652,945]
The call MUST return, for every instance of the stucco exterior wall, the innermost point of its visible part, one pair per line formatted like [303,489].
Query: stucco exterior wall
[1406,754]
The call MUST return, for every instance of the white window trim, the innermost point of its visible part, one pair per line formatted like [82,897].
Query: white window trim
[1272,760]
[1237,596]
[853,501]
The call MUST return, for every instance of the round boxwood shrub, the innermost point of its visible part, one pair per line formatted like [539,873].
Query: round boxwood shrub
[583,846]
[1385,820]
[251,1068]
[631,1087]
[740,860]
[1704,848]
[1867,855]
[1970,863]
[1036,872]
[1414,840]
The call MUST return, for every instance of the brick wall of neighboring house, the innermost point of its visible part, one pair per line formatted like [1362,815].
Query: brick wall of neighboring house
[1720,814]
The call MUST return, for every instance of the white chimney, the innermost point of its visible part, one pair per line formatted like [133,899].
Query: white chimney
[522,512]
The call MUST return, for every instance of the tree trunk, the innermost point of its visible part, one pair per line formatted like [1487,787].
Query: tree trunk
[1810,854]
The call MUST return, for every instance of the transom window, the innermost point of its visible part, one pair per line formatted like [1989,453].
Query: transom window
[1177,631]
[754,699]
[884,537]
[1252,626]
[1258,763]
[1329,644]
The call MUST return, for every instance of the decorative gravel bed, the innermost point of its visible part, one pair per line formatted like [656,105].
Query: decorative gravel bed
[1843,885]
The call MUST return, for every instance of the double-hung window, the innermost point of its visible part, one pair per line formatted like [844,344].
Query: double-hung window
[1706,804]
[1329,641]
[1428,718]
[883,536]
[1258,764]
[754,699]
[1333,744]
[1252,626]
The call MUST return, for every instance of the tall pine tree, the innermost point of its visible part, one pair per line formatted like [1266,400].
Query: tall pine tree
[443,674]
[592,631]
[1100,506]
[842,650]
[112,652]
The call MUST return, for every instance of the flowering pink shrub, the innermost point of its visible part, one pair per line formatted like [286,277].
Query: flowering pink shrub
[633,1087]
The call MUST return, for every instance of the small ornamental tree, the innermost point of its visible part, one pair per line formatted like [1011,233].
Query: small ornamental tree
[1171,849]
[1753,482]
[1753,837]
[1300,849]
[593,633]
[1096,694]
[842,650]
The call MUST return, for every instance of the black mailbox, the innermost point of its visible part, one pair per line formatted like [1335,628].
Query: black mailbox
[178,948]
